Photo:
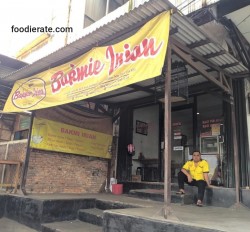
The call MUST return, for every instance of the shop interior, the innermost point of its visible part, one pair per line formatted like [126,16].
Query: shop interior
[197,124]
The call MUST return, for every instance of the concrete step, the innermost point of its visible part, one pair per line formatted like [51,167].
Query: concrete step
[93,216]
[70,226]
[158,195]
[101,204]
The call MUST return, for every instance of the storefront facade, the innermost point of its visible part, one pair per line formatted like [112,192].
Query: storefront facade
[200,119]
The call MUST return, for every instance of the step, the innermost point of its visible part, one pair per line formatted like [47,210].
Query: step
[70,226]
[93,216]
[101,204]
[158,195]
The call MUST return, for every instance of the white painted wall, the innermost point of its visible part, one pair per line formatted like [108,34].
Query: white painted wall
[147,144]
[60,17]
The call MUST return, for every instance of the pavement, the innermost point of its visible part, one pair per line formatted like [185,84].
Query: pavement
[7,225]
[234,219]
[73,226]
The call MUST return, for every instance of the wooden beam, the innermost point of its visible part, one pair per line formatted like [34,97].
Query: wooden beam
[224,80]
[199,68]
[198,44]
[229,65]
[242,75]
[100,107]
[211,55]
[142,88]
[199,57]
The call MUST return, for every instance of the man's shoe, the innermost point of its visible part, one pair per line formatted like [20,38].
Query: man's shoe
[199,203]
[181,192]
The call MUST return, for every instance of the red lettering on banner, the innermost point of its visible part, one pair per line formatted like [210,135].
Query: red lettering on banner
[143,50]
[147,48]
[70,132]
[18,95]
[33,93]
[60,79]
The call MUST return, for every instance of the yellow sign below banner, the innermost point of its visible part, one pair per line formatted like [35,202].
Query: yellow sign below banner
[101,70]
[54,136]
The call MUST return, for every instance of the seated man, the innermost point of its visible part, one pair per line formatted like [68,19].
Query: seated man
[195,173]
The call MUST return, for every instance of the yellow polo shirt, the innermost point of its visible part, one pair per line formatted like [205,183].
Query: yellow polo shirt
[197,171]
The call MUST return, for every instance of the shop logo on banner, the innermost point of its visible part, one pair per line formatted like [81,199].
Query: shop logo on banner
[29,93]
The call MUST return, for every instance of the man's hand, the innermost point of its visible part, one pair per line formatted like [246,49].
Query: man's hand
[190,179]
[206,179]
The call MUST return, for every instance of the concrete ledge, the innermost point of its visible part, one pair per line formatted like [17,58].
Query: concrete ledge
[2,205]
[220,197]
[158,195]
[246,197]
[127,186]
[93,216]
[214,196]
[113,222]
[24,210]
[33,212]
[60,210]
[101,204]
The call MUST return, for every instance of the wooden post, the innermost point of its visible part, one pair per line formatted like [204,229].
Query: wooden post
[27,158]
[17,176]
[5,157]
[167,131]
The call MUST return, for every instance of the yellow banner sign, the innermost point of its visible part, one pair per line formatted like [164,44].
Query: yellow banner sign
[101,70]
[54,136]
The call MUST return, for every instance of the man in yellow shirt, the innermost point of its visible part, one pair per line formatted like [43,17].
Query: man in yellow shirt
[195,173]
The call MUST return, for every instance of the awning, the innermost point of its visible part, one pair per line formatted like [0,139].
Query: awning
[182,30]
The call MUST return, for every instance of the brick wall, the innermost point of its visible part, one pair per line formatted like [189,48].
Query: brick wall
[53,172]
[50,172]
[16,150]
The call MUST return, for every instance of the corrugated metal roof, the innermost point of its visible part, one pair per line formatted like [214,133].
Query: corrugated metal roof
[4,71]
[9,65]
[186,32]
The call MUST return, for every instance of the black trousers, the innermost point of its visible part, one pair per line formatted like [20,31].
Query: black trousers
[201,184]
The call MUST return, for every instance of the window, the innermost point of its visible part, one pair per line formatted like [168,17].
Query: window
[96,9]
[21,134]
[114,4]
[22,125]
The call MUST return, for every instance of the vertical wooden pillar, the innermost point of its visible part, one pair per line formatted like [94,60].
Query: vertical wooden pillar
[167,131]
[27,158]
[18,164]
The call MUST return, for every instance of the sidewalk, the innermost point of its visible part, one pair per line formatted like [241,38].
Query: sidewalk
[234,219]
[7,225]
[222,219]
